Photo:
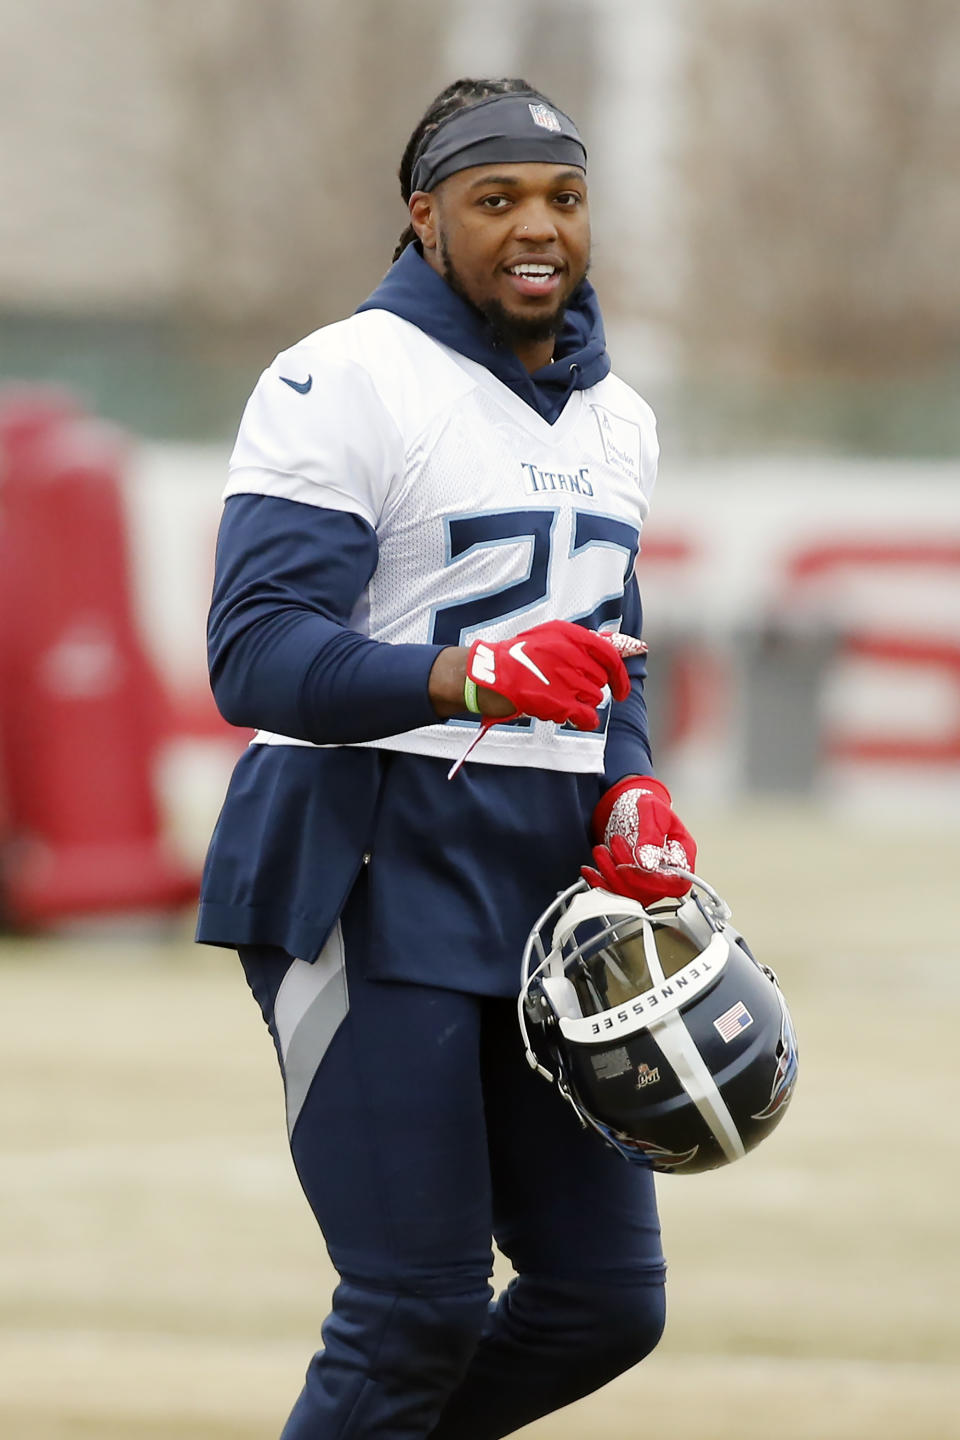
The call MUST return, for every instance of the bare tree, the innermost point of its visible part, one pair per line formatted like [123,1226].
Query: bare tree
[823,173]
[294,116]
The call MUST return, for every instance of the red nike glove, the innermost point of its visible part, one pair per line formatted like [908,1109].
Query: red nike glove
[555,671]
[642,840]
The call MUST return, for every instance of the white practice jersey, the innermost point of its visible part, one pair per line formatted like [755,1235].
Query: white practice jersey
[489,519]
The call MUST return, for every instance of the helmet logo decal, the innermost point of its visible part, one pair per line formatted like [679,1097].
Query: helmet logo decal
[647,1076]
[785,1075]
[645,1151]
[732,1021]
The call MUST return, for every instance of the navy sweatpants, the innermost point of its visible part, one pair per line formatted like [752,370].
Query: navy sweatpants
[418,1132]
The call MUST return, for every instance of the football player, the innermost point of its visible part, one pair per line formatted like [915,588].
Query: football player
[430,527]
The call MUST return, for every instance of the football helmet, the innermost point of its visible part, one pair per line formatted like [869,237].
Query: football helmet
[658,1025]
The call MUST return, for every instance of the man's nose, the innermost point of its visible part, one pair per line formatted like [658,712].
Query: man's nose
[537,224]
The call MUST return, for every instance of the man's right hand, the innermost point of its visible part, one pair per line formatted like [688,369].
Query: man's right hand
[555,671]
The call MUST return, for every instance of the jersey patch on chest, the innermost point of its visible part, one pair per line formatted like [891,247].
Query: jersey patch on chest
[621,441]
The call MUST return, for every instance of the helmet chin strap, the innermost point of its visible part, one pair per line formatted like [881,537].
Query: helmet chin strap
[536,946]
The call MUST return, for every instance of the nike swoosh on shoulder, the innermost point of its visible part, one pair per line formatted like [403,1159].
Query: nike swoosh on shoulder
[517,651]
[301,386]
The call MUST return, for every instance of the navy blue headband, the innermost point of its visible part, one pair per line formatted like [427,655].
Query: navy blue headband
[503,129]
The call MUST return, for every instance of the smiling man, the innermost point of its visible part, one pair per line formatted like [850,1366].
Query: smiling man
[429,534]
[519,273]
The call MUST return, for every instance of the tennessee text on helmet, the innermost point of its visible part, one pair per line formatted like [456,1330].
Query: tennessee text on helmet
[658,1025]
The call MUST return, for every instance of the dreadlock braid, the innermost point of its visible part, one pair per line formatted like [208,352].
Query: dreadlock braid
[457,96]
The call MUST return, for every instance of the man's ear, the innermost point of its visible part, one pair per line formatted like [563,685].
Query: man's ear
[423,218]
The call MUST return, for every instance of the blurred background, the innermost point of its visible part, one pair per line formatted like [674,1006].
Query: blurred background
[776,198]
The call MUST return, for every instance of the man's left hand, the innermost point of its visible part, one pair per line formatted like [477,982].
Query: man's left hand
[642,841]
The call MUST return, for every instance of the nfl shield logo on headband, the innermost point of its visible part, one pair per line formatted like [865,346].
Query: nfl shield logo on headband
[544,117]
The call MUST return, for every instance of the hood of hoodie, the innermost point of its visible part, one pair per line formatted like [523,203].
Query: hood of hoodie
[413,290]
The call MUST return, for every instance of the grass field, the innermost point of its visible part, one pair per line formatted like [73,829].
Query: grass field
[162,1279]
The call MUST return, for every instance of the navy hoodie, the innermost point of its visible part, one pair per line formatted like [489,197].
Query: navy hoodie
[298,823]
[415,292]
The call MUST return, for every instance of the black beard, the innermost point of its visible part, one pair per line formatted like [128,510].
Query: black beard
[511,330]
[508,330]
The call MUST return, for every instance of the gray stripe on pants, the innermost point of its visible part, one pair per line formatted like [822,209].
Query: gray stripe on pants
[311,1003]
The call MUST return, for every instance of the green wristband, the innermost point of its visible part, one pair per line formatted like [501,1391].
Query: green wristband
[470,696]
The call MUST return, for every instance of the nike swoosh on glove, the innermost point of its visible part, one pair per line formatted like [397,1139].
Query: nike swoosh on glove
[555,671]
[642,841]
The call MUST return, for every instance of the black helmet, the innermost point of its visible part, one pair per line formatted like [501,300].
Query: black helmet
[658,1025]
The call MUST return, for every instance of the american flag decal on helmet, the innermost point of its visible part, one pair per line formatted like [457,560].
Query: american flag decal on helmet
[732,1021]
[543,116]
[785,1075]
